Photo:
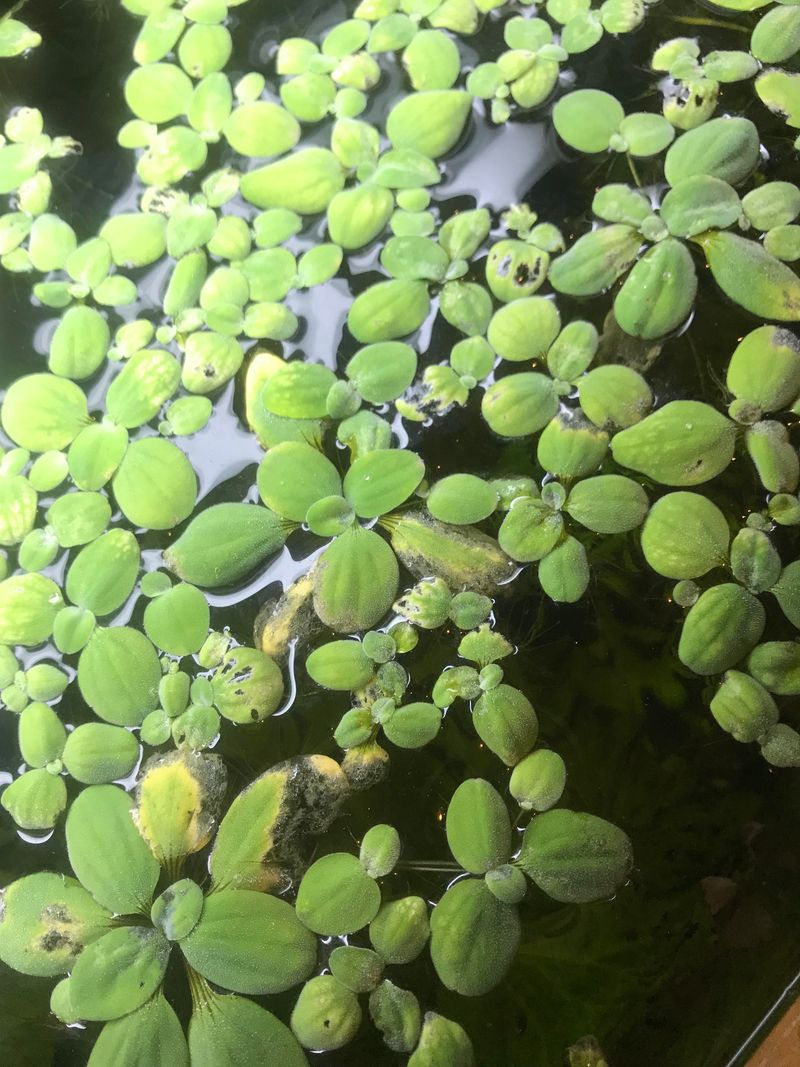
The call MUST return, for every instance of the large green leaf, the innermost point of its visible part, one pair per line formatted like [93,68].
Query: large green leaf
[474,938]
[152,1034]
[118,973]
[355,581]
[726,148]
[224,543]
[720,629]
[103,574]
[685,535]
[250,942]
[233,1030]
[685,442]
[750,276]
[107,852]
[575,857]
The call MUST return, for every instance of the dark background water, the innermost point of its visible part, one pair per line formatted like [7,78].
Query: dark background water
[681,967]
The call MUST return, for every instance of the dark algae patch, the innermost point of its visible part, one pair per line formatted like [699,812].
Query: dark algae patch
[399,588]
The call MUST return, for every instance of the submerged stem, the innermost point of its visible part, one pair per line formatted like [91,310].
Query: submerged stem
[719,24]
[633,170]
[428,865]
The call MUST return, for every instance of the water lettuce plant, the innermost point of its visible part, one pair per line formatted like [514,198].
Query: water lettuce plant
[239,382]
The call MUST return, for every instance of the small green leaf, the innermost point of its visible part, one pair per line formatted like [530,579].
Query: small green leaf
[96,753]
[478,827]
[41,412]
[29,604]
[587,119]
[524,329]
[429,122]
[685,536]
[355,581]
[103,574]
[327,1014]
[337,896]
[305,182]
[382,480]
[750,276]
[155,485]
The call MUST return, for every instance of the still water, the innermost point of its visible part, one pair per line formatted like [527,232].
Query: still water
[683,965]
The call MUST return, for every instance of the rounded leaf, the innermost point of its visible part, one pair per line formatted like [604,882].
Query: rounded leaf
[478,827]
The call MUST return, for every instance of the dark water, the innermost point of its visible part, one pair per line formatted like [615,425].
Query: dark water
[684,964]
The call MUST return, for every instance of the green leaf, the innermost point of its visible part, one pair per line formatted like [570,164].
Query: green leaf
[658,294]
[396,1013]
[478,827]
[587,119]
[382,372]
[382,480]
[400,930]
[564,572]
[18,501]
[442,1041]
[524,329]
[388,310]
[336,896]
[136,239]
[48,919]
[41,412]
[155,485]
[96,453]
[776,36]
[293,476]
[506,723]
[145,384]
[432,60]
[145,1036]
[595,261]
[78,518]
[614,396]
[429,122]
[751,277]
[538,781]
[118,973]
[319,264]
[250,942]
[530,530]
[340,665]
[355,581]
[103,574]
[177,621]
[773,203]
[41,735]
[787,593]
[232,1029]
[16,38]
[776,665]
[685,536]
[685,442]
[35,799]
[726,148]
[29,604]
[756,564]
[158,92]
[520,404]
[607,504]
[356,216]
[224,543]
[326,1015]
[118,675]
[700,203]
[570,446]
[780,91]
[474,938]
[261,128]
[644,134]
[305,182]
[80,343]
[96,753]
[461,499]
[107,853]
[575,857]
[720,629]
[413,725]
